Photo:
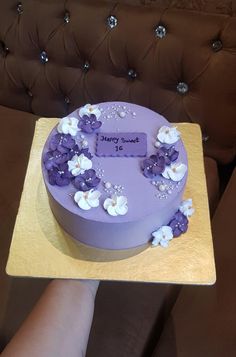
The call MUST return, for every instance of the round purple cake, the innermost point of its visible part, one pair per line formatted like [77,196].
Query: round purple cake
[115,173]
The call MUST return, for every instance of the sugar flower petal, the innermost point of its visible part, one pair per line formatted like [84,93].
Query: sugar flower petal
[68,125]
[86,181]
[178,224]
[59,175]
[168,135]
[78,164]
[175,171]
[153,166]
[89,109]
[89,123]
[87,200]
[116,205]
[186,207]
[169,153]
[162,236]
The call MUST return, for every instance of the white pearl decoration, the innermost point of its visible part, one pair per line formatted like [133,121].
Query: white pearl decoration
[84,143]
[157,144]
[108,185]
[121,114]
[162,187]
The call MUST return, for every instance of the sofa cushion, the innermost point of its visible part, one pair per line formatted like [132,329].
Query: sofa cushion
[203,321]
[212,180]
[129,317]
[17,130]
[56,57]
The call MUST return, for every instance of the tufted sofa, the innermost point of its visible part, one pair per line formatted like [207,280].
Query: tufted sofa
[175,57]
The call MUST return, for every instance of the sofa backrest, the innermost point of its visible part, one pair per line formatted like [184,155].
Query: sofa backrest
[175,57]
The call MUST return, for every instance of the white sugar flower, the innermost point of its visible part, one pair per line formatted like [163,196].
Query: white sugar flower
[87,200]
[175,171]
[168,135]
[116,205]
[89,109]
[162,236]
[78,164]
[68,125]
[186,207]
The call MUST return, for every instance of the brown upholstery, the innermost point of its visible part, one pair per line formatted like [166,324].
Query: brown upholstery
[57,55]
[203,321]
[16,135]
[212,179]
[129,318]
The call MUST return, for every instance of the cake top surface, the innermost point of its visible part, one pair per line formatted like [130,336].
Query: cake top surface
[121,148]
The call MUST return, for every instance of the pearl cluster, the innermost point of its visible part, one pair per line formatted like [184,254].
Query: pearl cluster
[164,189]
[83,142]
[117,112]
[112,189]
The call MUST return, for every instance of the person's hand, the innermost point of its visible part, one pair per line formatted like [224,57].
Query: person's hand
[59,324]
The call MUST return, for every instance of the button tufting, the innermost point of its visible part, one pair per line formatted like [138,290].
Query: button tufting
[4,50]
[205,137]
[67,100]
[160,31]
[29,93]
[112,21]
[132,74]
[86,66]
[67,17]
[44,57]
[216,45]
[19,8]
[182,88]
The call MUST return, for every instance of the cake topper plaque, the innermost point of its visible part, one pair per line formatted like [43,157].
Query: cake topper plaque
[121,144]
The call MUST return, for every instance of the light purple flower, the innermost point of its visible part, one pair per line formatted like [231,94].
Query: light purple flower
[59,175]
[179,224]
[55,158]
[62,143]
[153,166]
[87,180]
[77,151]
[170,154]
[88,124]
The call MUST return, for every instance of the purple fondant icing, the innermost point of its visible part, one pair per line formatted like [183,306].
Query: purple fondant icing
[146,211]
[121,144]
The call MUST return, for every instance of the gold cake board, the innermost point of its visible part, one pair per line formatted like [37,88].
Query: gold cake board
[40,248]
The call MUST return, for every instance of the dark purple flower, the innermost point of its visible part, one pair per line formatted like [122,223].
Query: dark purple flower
[179,224]
[87,180]
[86,153]
[54,158]
[62,143]
[59,175]
[77,151]
[88,124]
[169,154]
[153,166]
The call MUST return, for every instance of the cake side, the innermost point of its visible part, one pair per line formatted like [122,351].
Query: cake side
[148,201]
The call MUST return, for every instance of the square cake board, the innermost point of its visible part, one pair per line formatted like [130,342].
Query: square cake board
[40,248]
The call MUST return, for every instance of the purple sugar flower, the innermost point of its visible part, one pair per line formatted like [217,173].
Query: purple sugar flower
[153,166]
[77,151]
[55,158]
[88,124]
[87,180]
[59,175]
[86,153]
[179,224]
[170,154]
[74,151]
[62,143]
